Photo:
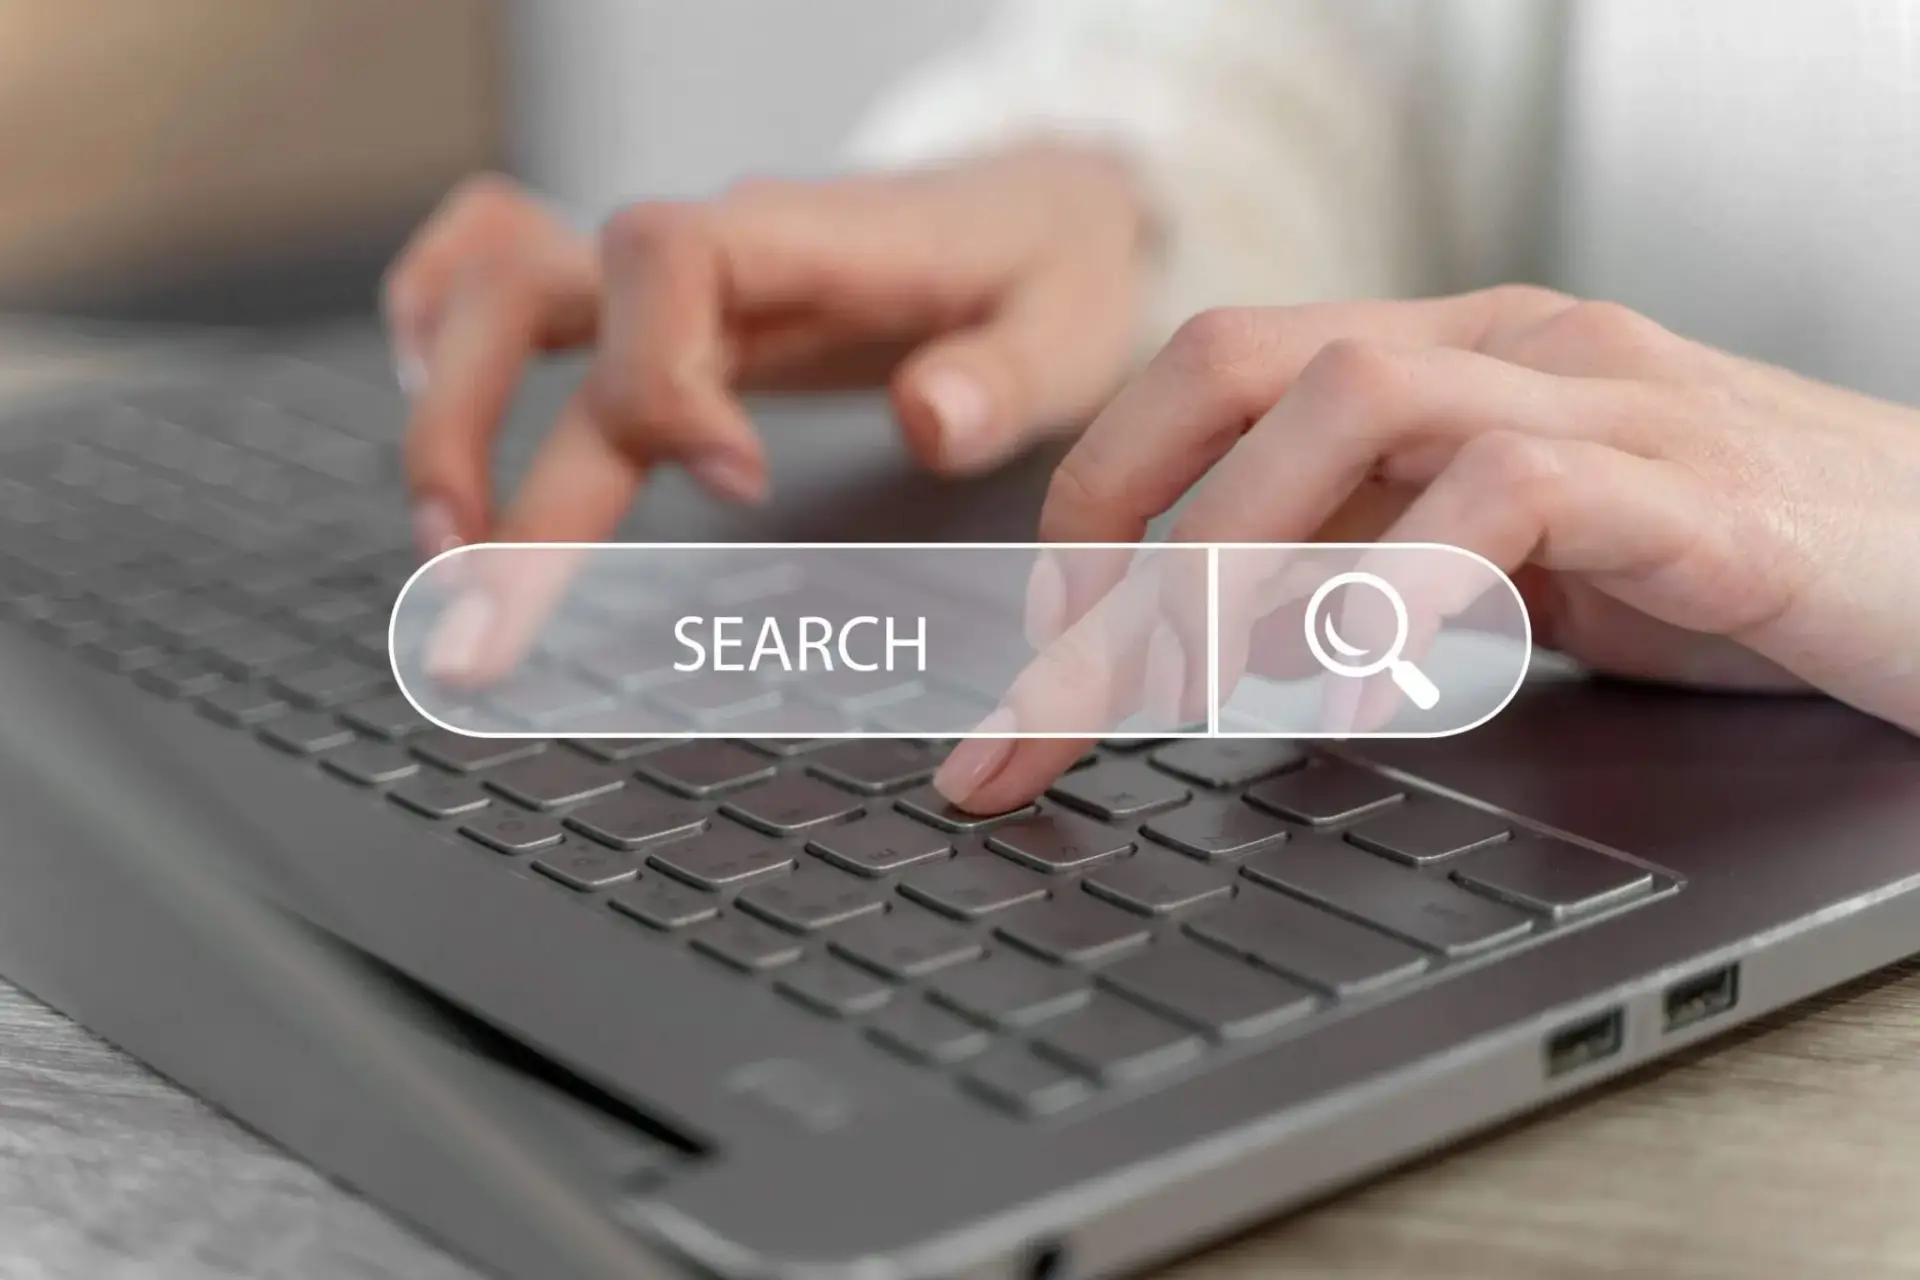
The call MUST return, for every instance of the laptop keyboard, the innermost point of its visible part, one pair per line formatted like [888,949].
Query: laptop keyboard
[1166,902]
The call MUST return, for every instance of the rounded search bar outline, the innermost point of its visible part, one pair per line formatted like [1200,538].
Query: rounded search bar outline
[1216,694]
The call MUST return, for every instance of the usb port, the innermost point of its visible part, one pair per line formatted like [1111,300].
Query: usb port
[1571,1048]
[1703,996]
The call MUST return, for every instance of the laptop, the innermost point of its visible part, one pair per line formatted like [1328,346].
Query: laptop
[893,1040]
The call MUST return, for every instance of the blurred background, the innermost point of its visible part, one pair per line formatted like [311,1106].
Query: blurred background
[1740,169]
[258,161]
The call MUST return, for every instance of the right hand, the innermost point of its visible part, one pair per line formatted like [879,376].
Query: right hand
[998,299]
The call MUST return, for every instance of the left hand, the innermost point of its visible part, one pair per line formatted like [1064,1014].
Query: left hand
[1669,511]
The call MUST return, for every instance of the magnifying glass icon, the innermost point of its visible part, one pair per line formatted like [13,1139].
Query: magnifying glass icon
[1411,680]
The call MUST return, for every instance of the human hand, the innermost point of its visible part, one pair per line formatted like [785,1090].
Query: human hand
[1668,511]
[997,298]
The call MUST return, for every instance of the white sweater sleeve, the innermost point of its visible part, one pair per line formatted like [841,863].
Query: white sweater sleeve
[1289,143]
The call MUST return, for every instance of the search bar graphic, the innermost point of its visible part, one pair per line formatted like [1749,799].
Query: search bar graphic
[947,641]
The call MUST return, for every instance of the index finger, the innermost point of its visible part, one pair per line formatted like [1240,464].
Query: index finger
[660,379]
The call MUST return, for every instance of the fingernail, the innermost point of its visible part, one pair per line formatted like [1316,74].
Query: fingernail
[729,477]
[1166,675]
[1046,601]
[434,529]
[455,648]
[1340,704]
[964,411]
[973,762]
[410,371]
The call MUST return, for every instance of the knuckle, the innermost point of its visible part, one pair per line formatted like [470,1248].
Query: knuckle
[1071,497]
[1516,465]
[1608,326]
[612,392]
[1222,341]
[1524,299]
[643,230]
[1351,370]
[632,395]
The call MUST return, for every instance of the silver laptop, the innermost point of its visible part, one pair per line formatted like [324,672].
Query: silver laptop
[769,1007]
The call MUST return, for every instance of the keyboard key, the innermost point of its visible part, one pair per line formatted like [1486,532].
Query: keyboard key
[330,684]
[462,754]
[705,768]
[618,750]
[127,588]
[126,651]
[1120,790]
[370,763]
[929,806]
[929,711]
[975,884]
[634,817]
[880,844]
[1421,909]
[722,857]
[179,678]
[327,612]
[927,1033]
[551,779]
[586,867]
[1029,1086]
[1308,943]
[1009,990]
[874,766]
[71,622]
[306,734]
[250,650]
[186,617]
[1216,829]
[391,717]
[906,943]
[789,804]
[813,897]
[625,662]
[859,692]
[834,987]
[543,698]
[1128,745]
[241,705]
[1075,928]
[1326,792]
[1229,763]
[1426,830]
[435,795]
[1552,876]
[745,943]
[664,904]
[1056,841]
[711,697]
[1115,1041]
[511,831]
[1217,994]
[1154,882]
[785,748]
[809,718]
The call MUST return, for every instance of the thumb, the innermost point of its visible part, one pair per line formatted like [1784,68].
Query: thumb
[1044,361]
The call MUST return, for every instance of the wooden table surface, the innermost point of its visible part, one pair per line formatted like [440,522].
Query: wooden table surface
[1788,1149]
